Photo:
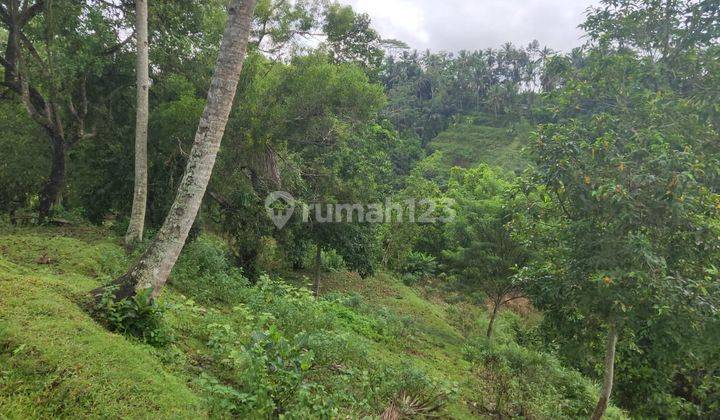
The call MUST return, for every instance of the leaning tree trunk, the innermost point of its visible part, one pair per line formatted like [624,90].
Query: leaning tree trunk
[153,268]
[609,373]
[137,218]
[50,194]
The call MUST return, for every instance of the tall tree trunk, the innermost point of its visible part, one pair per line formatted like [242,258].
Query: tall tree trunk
[51,192]
[602,404]
[137,218]
[153,268]
[318,267]
[493,316]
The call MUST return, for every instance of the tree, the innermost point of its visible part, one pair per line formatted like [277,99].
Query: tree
[483,252]
[352,39]
[52,81]
[154,266]
[137,218]
[666,30]
[629,193]
[309,128]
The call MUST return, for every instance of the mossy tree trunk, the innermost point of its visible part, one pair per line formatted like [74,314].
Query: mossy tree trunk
[52,190]
[137,218]
[153,268]
[606,391]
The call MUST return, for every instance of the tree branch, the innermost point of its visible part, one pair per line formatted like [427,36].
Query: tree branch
[33,52]
[43,120]
[115,48]
[510,299]
[31,12]
[81,115]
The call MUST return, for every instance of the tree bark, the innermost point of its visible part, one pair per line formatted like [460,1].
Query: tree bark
[602,404]
[44,110]
[153,268]
[50,194]
[318,263]
[493,316]
[137,218]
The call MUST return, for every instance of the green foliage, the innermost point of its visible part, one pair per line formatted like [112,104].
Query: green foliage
[429,91]
[138,316]
[418,266]
[619,222]
[272,372]
[283,352]
[623,194]
[351,38]
[276,350]
[420,263]
[481,251]
[470,142]
[25,160]
[521,382]
[332,261]
[204,273]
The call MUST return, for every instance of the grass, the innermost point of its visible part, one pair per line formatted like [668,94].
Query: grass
[469,143]
[56,361]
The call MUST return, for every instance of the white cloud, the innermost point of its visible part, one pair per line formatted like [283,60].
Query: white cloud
[476,24]
[400,19]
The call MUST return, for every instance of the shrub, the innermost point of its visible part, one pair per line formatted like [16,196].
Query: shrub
[204,273]
[139,316]
[410,279]
[294,309]
[518,382]
[270,258]
[330,260]
[401,385]
[269,374]
[420,265]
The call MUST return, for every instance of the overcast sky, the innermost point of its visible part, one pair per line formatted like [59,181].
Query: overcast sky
[453,25]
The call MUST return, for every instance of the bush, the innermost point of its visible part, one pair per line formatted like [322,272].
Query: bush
[261,372]
[270,372]
[420,265]
[284,353]
[518,382]
[329,260]
[204,273]
[139,316]
[410,279]
[270,258]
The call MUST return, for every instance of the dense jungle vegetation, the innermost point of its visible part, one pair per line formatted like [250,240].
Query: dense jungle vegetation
[569,269]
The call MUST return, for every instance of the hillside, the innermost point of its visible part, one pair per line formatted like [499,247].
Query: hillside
[477,139]
[268,348]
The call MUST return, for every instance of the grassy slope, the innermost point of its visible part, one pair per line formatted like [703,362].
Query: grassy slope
[436,344]
[473,141]
[56,361]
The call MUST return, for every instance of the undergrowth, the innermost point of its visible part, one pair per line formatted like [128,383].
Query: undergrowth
[223,348]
